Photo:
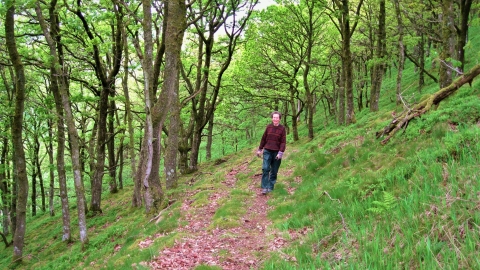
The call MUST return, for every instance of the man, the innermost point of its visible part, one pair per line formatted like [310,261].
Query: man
[272,145]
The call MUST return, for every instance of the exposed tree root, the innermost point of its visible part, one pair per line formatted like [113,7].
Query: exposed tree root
[402,120]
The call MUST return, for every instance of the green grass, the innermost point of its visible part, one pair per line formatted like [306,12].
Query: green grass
[410,204]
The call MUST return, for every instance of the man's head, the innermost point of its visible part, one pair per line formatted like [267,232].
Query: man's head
[276,116]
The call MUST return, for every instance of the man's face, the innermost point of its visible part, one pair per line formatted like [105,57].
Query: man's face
[276,119]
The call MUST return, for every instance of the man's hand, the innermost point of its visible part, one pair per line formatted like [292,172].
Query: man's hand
[259,152]
[279,155]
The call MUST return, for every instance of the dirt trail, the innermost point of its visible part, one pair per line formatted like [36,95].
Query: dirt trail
[243,247]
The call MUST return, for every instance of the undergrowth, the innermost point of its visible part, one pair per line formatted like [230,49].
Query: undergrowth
[410,204]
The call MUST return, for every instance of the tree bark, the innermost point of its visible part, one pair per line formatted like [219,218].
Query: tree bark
[120,159]
[462,31]
[107,82]
[176,26]
[112,162]
[137,189]
[346,32]
[401,50]
[62,177]
[38,163]
[184,147]
[60,131]
[70,121]
[35,160]
[448,44]
[171,155]
[146,154]
[156,114]
[297,109]
[208,147]
[310,28]
[17,138]
[379,66]
[4,187]
[51,171]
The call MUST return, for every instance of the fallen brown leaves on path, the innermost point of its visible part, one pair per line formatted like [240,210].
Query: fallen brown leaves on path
[243,247]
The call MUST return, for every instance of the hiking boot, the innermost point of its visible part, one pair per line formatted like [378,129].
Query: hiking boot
[269,190]
[264,191]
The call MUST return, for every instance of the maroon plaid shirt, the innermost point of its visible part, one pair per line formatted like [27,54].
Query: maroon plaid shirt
[274,138]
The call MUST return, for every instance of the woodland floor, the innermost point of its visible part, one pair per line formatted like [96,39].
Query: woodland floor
[242,247]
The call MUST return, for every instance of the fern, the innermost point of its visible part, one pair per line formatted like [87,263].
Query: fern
[388,203]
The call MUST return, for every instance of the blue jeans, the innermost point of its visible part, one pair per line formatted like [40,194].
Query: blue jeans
[270,168]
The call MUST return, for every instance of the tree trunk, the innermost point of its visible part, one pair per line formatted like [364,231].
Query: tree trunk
[34,158]
[208,148]
[76,164]
[462,31]
[146,152]
[347,63]
[4,190]
[97,180]
[14,193]
[91,151]
[17,138]
[308,93]
[346,83]
[448,44]
[401,50]
[70,121]
[421,56]
[153,193]
[309,28]
[183,149]
[51,170]
[341,101]
[137,189]
[62,178]
[378,69]
[176,26]
[60,134]
[120,159]
[40,178]
[107,81]
[172,146]
[112,163]
[156,115]
[296,111]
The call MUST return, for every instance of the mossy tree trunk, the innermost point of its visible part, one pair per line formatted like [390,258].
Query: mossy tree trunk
[58,69]
[378,68]
[20,168]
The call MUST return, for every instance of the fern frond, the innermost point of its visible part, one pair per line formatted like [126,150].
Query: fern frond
[389,202]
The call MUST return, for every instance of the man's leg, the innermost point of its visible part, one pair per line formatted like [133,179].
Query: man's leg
[273,172]
[266,167]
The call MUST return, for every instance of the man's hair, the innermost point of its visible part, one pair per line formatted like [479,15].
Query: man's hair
[276,112]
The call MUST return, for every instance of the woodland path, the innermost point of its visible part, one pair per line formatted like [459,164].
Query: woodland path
[242,247]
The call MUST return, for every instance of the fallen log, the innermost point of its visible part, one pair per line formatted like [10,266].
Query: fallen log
[401,121]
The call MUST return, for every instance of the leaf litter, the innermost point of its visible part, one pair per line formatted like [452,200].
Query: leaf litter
[242,247]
